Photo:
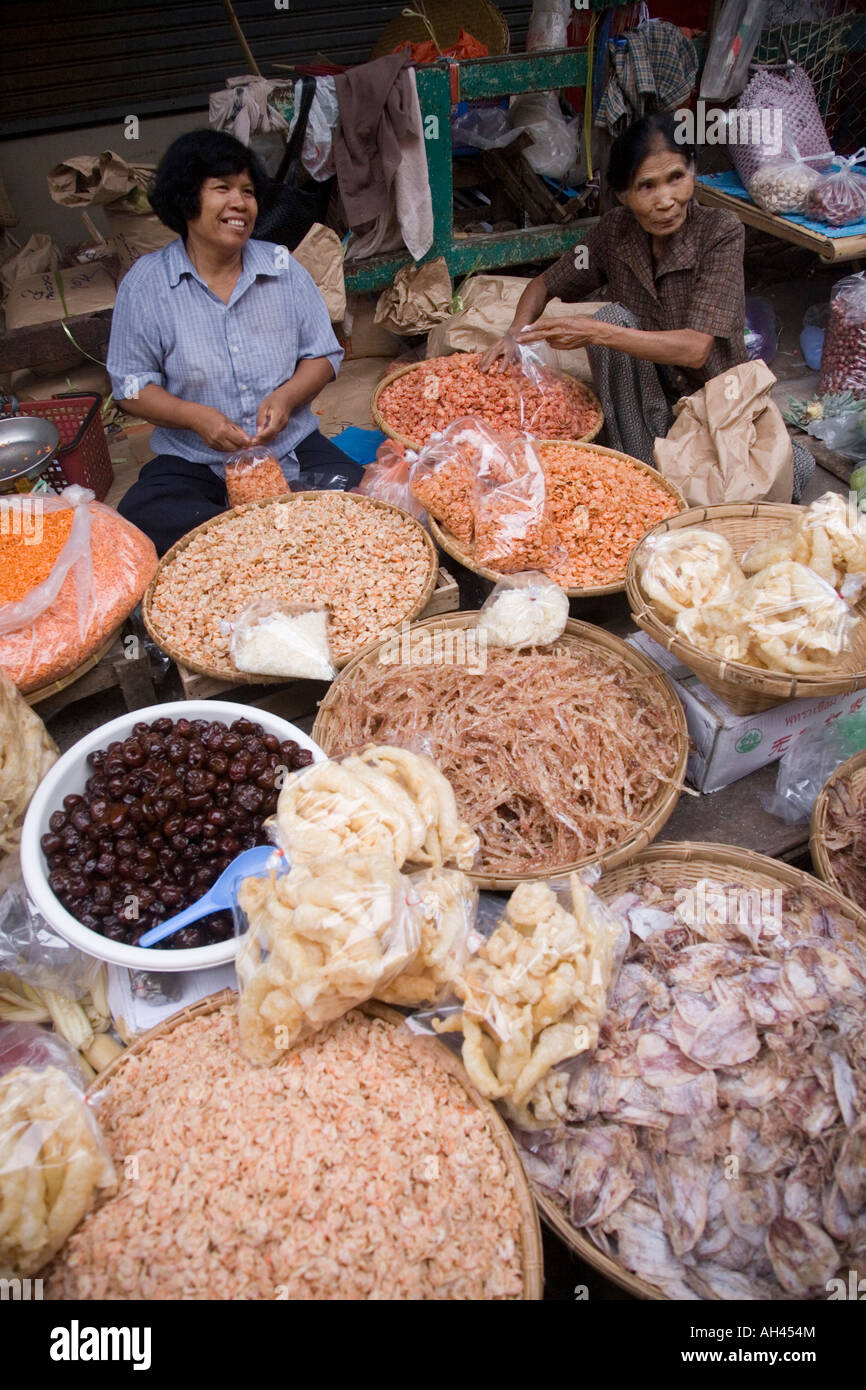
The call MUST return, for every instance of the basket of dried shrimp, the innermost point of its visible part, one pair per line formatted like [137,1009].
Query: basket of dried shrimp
[837,834]
[559,756]
[635,1170]
[489,1239]
[414,401]
[621,499]
[745,689]
[373,565]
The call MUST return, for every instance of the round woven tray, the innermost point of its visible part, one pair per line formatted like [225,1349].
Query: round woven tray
[230,672]
[530,1231]
[465,554]
[744,689]
[576,634]
[672,864]
[34,697]
[855,770]
[478,17]
[410,443]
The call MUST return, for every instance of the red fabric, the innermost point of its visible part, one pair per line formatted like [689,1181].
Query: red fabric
[427,52]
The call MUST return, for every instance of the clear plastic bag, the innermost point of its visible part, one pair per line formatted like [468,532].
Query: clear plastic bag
[785,618]
[388,478]
[686,569]
[509,502]
[810,760]
[843,362]
[321,939]
[254,475]
[441,479]
[485,128]
[735,37]
[448,906]
[31,951]
[97,578]
[829,536]
[27,751]
[53,1159]
[788,100]
[536,991]
[382,800]
[762,330]
[283,639]
[845,433]
[839,198]
[783,185]
[524,610]
[555,140]
[548,25]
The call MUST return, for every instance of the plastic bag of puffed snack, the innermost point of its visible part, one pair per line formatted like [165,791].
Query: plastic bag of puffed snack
[687,568]
[524,610]
[448,907]
[53,1159]
[254,475]
[319,940]
[283,639]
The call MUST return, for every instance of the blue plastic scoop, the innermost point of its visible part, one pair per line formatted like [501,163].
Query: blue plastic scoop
[218,897]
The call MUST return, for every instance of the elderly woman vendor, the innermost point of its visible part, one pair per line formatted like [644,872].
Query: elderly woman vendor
[219,341]
[674,271]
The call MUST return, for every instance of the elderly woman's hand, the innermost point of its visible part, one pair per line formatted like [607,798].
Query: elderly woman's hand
[563,333]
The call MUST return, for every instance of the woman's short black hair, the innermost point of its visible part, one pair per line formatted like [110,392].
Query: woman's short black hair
[175,191]
[642,138]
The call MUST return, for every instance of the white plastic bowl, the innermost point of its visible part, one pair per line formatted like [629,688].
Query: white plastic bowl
[69,775]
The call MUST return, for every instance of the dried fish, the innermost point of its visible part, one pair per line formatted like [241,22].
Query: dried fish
[715,1142]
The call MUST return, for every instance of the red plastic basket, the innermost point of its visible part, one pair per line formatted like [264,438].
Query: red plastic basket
[83,453]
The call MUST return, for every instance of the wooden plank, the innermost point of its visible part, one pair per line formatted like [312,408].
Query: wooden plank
[522,72]
[830,249]
[46,345]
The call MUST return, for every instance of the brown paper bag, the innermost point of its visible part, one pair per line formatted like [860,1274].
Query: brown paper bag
[361,336]
[321,255]
[136,234]
[86,289]
[419,298]
[37,254]
[346,401]
[87,179]
[728,442]
[489,302]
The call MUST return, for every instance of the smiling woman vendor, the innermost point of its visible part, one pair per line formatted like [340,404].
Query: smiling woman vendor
[219,341]
[674,270]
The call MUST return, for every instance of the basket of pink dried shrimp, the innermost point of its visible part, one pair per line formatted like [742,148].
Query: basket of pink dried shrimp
[415,401]
[712,1145]
[362,1166]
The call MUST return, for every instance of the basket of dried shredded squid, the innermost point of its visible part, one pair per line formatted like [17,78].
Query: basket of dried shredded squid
[837,839]
[559,756]
[761,578]
[710,1147]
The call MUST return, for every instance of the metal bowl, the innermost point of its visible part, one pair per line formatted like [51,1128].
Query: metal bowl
[28,443]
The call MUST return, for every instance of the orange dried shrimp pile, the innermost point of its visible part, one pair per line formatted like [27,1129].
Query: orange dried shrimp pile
[601,507]
[23,564]
[443,389]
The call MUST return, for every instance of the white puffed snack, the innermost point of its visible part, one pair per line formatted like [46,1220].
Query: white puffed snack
[286,644]
[533,615]
[685,569]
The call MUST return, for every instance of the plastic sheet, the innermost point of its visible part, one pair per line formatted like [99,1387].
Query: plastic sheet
[524,610]
[555,140]
[806,765]
[735,37]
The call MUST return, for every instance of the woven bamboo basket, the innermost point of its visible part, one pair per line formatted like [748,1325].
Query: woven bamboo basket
[744,689]
[440,1055]
[409,443]
[230,672]
[854,769]
[465,554]
[670,865]
[447,17]
[576,634]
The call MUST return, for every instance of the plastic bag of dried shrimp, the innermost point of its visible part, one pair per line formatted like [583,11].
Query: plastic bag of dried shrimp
[440,478]
[71,570]
[326,936]
[283,639]
[254,475]
[524,610]
[509,500]
[53,1158]
[388,479]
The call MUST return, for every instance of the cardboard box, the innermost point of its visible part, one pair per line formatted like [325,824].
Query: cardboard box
[725,746]
[86,289]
